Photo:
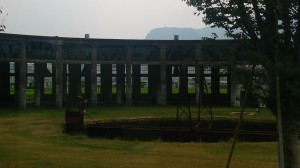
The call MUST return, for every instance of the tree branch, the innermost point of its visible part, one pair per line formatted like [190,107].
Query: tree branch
[298,35]
[258,17]
[286,21]
[246,21]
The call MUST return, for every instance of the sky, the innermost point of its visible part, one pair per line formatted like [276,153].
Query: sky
[108,19]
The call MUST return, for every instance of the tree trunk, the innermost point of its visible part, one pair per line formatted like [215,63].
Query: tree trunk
[290,143]
[290,114]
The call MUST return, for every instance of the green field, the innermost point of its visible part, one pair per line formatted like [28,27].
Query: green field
[34,138]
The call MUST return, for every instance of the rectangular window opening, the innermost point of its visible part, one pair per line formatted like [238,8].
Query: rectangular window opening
[191,85]
[47,85]
[67,69]
[144,69]
[30,91]
[191,70]
[98,68]
[12,85]
[12,67]
[30,82]
[30,68]
[82,85]
[68,85]
[98,85]
[49,67]
[114,85]
[207,87]
[82,67]
[144,85]
[223,85]
[114,69]
[207,70]
[175,85]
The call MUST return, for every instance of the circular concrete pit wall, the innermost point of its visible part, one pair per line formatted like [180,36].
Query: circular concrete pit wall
[182,131]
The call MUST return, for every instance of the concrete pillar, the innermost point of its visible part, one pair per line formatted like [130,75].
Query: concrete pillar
[163,76]
[106,82]
[154,83]
[37,84]
[22,77]
[65,80]
[197,83]
[94,78]
[183,84]
[87,83]
[128,77]
[17,83]
[120,83]
[197,73]
[201,84]
[4,82]
[74,80]
[235,94]
[215,84]
[169,81]
[58,74]
[136,81]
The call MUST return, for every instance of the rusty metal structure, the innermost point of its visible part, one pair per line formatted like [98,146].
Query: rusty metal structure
[41,70]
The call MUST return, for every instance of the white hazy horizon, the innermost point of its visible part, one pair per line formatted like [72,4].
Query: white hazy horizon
[112,19]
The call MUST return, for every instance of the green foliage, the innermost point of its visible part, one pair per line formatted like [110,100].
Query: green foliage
[268,28]
[271,28]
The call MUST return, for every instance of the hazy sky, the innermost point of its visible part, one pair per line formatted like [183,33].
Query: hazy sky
[118,19]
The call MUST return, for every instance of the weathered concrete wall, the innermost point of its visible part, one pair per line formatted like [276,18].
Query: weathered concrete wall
[159,56]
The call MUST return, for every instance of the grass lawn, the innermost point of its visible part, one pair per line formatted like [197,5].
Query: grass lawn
[34,138]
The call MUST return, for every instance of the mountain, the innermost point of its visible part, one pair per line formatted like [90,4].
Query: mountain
[167,33]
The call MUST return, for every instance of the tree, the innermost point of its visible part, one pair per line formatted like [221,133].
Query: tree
[2,26]
[273,30]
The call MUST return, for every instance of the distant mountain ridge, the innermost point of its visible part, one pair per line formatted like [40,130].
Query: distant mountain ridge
[167,33]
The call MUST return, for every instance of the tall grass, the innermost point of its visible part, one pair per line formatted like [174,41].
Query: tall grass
[34,138]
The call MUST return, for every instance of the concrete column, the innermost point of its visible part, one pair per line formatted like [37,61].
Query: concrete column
[65,80]
[136,81]
[22,77]
[235,94]
[87,83]
[94,78]
[154,83]
[120,83]
[37,84]
[74,80]
[128,77]
[215,85]
[169,81]
[106,82]
[163,76]
[197,82]
[183,84]
[201,84]
[58,74]
[4,82]
[197,73]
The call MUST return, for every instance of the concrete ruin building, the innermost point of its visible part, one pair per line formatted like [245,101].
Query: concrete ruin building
[40,70]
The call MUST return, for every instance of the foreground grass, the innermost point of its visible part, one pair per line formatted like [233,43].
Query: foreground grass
[34,138]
